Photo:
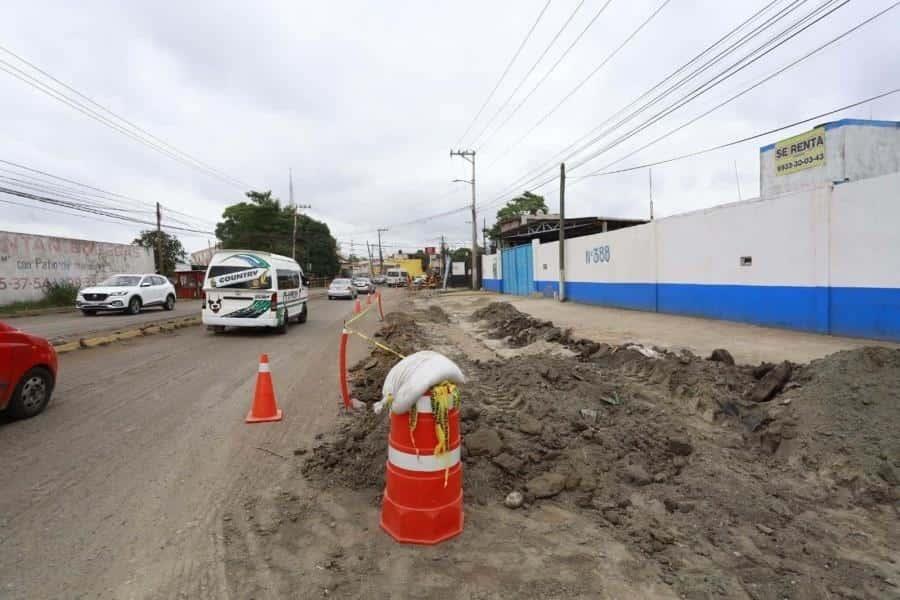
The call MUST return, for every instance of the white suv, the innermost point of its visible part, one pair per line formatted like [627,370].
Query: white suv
[127,293]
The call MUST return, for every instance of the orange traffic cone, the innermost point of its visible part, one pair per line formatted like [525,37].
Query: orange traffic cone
[357,307]
[369,299]
[264,406]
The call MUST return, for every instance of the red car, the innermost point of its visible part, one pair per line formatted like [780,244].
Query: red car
[27,372]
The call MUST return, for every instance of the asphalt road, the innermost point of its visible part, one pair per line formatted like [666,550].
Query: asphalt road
[116,491]
[74,323]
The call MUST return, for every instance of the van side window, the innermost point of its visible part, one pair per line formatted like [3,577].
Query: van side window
[288,280]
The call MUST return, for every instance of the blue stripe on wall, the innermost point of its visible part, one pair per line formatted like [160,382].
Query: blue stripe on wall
[858,312]
[866,312]
[491,285]
[639,296]
[793,307]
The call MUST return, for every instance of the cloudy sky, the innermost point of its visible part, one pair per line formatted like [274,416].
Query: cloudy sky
[363,100]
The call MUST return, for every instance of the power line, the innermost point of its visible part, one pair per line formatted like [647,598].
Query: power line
[755,85]
[88,209]
[100,192]
[581,84]
[505,72]
[150,140]
[602,173]
[530,71]
[546,75]
[526,179]
[693,94]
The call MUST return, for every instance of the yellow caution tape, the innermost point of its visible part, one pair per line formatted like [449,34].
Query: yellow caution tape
[373,342]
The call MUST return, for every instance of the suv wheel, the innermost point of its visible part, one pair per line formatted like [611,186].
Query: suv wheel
[170,303]
[303,313]
[134,306]
[31,394]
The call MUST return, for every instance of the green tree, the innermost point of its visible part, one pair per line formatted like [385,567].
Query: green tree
[172,250]
[264,224]
[526,204]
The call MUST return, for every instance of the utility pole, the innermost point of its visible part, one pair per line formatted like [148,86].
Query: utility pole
[469,155]
[650,172]
[562,232]
[484,234]
[737,181]
[380,253]
[369,252]
[159,240]
[294,235]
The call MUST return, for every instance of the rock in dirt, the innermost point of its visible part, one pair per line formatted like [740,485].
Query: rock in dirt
[484,442]
[553,334]
[508,462]
[546,485]
[469,413]
[765,530]
[722,355]
[530,425]
[514,500]
[771,383]
[679,446]
[550,374]
[886,472]
[760,370]
[637,475]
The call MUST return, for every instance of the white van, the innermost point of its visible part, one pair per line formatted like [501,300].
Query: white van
[397,278]
[246,288]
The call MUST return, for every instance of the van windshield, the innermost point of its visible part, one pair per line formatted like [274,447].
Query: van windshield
[247,278]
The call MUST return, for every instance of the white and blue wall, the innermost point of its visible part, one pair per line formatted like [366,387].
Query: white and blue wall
[823,258]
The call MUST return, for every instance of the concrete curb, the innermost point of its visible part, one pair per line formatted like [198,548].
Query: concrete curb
[69,345]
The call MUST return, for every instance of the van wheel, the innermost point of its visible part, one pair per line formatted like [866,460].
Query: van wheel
[31,394]
[283,328]
[301,318]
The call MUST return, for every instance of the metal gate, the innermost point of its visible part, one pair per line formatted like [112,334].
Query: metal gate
[518,270]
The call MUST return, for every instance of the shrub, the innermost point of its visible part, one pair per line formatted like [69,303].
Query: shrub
[60,294]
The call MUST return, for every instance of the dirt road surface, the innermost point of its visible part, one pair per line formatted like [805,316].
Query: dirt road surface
[119,490]
[75,324]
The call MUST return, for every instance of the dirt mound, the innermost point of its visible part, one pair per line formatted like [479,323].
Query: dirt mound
[737,481]
[401,333]
[519,329]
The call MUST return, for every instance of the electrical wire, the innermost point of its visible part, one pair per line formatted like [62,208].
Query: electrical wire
[581,84]
[603,173]
[545,76]
[505,72]
[530,71]
[150,140]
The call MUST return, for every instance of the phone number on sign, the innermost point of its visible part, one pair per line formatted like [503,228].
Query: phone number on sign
[39,283]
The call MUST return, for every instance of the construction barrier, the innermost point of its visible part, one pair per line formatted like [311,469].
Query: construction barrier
[346,401]
[422,501]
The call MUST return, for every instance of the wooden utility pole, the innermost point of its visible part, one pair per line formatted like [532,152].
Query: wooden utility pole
[562,232]
[380,253]
[369,252]
[469,155]
[159,240]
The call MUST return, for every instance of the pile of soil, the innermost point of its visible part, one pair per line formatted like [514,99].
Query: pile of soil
[736,480]
[400,333]
[518,329]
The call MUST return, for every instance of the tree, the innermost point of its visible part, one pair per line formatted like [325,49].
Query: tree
[264,224]
[526,204]
[172,250]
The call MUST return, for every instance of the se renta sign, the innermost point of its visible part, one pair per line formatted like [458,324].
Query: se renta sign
[237,277]
[800,152]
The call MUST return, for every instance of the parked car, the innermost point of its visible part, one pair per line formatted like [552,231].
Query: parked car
[127,293]
[27,372]
[363,285]
[342,288]
[418,281]
[379,279]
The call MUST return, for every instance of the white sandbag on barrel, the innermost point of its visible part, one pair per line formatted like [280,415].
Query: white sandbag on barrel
[413,376]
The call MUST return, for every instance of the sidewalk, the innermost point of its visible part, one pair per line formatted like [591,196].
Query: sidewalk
[749,344]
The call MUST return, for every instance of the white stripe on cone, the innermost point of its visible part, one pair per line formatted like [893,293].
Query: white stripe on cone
[425,463]
[264,367]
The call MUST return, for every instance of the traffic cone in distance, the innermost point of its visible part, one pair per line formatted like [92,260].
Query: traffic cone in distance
[369,299]
[357,307]
[264,407]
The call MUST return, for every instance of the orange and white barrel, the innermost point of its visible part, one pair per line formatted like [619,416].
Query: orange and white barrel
[423,493]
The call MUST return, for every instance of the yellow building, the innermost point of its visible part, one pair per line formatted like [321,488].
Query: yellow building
[413,266]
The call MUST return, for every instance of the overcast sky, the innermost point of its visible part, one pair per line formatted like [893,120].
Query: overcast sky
[363,100]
